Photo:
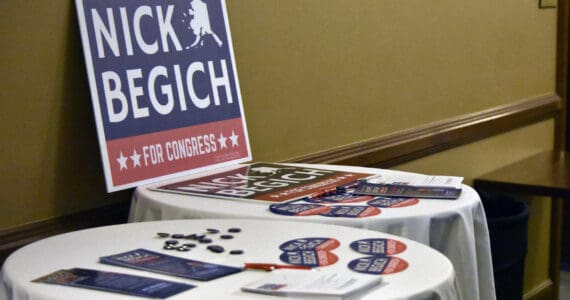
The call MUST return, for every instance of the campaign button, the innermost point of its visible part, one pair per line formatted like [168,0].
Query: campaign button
[212,230]
[192,236]
[234,230]
[378,246]
[378,265]
[347,211]
[312,258]
[298,209]
[162,234]
[178,236]
[341,197]
[386,202]
[216,248]
[171,242]
[226,236]
[236,252]
[310,243]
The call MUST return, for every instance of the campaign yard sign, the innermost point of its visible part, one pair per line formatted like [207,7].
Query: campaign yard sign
[164,88]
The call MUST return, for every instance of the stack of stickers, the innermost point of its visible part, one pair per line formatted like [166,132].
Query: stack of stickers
[318,252]
[340,203]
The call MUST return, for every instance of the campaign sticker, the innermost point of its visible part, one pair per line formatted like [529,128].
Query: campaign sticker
[298,209]
[341,197]
[378,265]
[311,243]
[385,202]
[312,258]
[378,247]
[347,211]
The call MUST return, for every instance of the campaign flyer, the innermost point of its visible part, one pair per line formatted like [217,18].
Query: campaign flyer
[143,259]
[164,88]
[411,185]
[301,209]
[115,282]
[410,191]
[313,285]
[268,182]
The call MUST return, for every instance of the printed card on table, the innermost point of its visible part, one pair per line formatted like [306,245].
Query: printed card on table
[142,259]
[115,282]
[164,88]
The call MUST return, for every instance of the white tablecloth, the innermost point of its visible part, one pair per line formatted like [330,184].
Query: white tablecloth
[456,228]
[429,275]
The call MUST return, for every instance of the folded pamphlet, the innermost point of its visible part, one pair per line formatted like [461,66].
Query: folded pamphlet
[146,260]
[298,283]
[115,282]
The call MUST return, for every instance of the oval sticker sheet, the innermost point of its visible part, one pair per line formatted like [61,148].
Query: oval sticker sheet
[347,211]
[378,247]
[393,202]
[299,209]
[340,197]
[378,265]
[311,258]
[311,243]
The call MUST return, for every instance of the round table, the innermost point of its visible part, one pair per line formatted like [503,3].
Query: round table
[429,274]
[457,228]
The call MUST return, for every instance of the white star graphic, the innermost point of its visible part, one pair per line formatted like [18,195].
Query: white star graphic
[234,139]
[136,158]
[222,141]
[122,161]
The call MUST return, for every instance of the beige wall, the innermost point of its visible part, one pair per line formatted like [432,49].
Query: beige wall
[353,70]
[48,152]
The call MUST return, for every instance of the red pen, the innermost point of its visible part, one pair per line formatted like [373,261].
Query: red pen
[270,267]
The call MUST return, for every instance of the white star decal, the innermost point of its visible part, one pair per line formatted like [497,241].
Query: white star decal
[234,139]
[136,158]
[222,140]
[122,161]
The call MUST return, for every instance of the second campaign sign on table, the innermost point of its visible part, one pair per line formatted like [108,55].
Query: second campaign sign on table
[164,87]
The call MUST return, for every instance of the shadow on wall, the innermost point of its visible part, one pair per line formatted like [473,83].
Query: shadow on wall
[78,178]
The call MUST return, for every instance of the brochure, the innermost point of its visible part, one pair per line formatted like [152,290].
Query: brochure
[265,182]
[411,185]
[146,260]
[115,282]
[297,283]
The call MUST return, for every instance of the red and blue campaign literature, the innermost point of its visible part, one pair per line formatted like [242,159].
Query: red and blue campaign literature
[164,88]
[267,182]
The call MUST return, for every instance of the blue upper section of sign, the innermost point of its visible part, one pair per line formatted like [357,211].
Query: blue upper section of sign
[160,65]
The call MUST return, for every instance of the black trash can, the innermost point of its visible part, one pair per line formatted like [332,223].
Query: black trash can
[507,219]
